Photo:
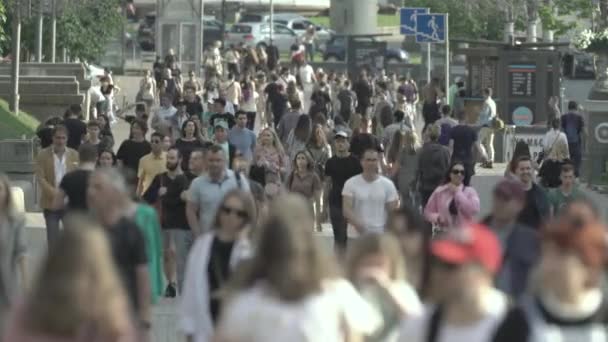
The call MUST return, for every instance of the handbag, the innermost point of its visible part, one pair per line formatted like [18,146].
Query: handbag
[541,154]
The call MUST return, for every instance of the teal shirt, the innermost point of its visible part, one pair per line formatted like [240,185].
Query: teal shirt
[557,199]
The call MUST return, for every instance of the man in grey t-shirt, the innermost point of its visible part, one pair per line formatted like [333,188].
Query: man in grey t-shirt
[207,192]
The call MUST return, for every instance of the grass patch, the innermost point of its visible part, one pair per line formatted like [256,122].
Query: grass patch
[384,20]
[15,127]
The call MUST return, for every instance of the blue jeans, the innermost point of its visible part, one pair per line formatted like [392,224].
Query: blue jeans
[52,218]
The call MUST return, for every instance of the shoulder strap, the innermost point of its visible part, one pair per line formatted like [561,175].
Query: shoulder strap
[239,181]
[434,324]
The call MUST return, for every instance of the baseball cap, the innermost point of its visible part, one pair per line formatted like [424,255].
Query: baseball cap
[341,134]
[472,243]
[510,189]
[588,239]
[222,124]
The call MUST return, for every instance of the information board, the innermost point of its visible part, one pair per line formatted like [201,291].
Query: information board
[522,80]
[483,75]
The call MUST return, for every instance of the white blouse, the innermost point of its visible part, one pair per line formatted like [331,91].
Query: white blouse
[256,315]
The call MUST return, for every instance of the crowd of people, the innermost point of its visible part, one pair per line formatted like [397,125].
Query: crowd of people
[218,193]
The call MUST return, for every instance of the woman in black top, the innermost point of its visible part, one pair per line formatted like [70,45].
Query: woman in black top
[131,150]
[188,142]
[214,257]
[105,133]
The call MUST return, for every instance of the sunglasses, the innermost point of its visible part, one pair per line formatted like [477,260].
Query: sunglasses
[458,172]
[240,213]
[155,141]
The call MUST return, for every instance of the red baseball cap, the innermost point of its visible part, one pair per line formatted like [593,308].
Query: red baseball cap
[471,243]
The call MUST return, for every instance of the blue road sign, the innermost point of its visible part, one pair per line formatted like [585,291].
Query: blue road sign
[408,19]
[430,28]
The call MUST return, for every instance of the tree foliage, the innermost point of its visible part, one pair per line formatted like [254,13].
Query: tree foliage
[4,39]
[485,19]
[84,28]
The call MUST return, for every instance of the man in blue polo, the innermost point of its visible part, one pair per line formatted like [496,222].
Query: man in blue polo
[207,191]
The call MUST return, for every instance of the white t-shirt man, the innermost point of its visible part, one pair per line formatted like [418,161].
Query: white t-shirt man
[370,200]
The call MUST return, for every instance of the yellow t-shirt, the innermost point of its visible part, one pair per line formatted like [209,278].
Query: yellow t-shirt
[150,166]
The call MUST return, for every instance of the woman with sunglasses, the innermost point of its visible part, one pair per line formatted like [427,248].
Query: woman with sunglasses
[452,203]
[212,259]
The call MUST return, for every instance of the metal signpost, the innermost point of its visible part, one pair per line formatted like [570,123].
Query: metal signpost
[433,28]
[408,27]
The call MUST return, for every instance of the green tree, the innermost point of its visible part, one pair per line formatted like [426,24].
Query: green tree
[4,39]
[84,28]
[471,19]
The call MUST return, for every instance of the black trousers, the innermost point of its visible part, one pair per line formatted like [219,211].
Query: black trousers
[339,226]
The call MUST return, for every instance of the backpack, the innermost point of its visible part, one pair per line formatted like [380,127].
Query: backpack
[347,102]
[433,176]
[571,128]
[444,137]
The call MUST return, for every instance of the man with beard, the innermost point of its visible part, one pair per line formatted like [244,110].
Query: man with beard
[168,194]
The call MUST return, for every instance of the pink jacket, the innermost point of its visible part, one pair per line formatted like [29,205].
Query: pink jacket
[438,207]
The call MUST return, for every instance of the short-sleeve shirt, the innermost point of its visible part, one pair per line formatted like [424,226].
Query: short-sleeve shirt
[464,138]
[243,140]
[74,185]
[340,169]
[150,166]
[129,252]
[208,194]
[557,199]
[130,152]
[370,199]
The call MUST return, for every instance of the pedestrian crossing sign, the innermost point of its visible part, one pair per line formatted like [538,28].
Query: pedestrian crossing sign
[430,28]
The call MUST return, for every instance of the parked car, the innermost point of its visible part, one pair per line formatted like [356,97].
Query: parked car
[258,34]
[254,17]
[146,34]
[335,51]
[300,25]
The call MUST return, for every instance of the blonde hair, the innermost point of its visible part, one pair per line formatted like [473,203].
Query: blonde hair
[79,279]
[276,142]
[373,244]
[559,151]
[289,259]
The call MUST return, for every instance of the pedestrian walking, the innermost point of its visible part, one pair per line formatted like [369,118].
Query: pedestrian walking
[555,153]
[285,296]
[574,126]
[249,99]
[72,192]
[567,302]
[214,257]
[433,164]
[299,136]
[271,162]
[305,181]
[537,209]
[151,164]
[486,120]
[369,197]
[188,142]
[79,278]
[375,266]
[567,192]
[469,308]
[431,93]
[242,138]
[52,164]
[168,193]
[520,243]
[453,203]
[465,146]
[403,156]
[107,158]
[206,192]
[108,197]
[133,149]
[77,129]
[13,252]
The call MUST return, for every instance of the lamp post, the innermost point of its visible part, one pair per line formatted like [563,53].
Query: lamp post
[14,105]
